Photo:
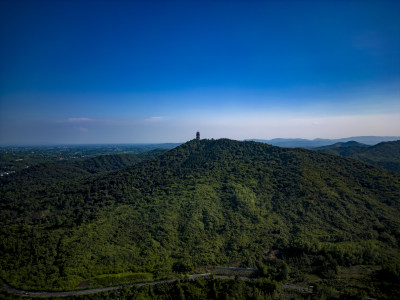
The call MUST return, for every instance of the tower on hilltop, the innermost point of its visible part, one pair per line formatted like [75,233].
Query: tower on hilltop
[198,135]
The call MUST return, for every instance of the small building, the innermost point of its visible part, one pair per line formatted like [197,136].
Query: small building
[198,135]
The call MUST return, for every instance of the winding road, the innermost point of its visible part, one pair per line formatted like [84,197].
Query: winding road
[99,290]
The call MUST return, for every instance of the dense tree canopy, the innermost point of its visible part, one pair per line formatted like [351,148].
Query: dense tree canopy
[208,202]
[385,154]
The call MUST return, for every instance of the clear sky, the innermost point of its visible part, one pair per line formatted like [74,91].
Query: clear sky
[158,71]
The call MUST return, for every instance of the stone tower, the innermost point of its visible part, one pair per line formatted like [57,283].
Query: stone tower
[198,135]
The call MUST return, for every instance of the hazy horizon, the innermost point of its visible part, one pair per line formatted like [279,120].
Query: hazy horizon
[111,72]
[381,138]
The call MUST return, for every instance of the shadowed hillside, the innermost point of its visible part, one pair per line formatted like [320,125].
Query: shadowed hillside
[45,173]
[343,145]
[385,154]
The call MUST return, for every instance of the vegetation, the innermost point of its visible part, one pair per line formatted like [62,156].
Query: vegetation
[385,155]
[44,173]
[19,158]
[296,215]
[342,145]
[204,288]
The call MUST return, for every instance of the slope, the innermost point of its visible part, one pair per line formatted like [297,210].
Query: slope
[53,172]
[22,157]
[310,144]
[342,145]
[209,202]
[385,154]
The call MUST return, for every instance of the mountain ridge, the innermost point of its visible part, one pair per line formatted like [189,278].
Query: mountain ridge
[384,154]
[343,144]
[319,142]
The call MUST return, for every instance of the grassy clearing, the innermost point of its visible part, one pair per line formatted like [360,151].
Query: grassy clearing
[120,279]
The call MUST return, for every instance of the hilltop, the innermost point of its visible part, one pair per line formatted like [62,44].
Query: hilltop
[208,202]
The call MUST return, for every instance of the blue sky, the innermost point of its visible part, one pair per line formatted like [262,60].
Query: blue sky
[157,71]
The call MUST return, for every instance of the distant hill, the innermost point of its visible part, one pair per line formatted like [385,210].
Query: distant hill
[208,202]
[111,162]
[73,168]
[295,143]
[309,144]
[342,145]
[385,154]
[17,158]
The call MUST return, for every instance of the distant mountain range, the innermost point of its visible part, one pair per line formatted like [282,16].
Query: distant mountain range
[309,144]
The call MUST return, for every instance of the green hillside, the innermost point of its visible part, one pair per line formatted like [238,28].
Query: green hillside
[342,145]
[385,154]
[47,172]
[209,202]
[18,158]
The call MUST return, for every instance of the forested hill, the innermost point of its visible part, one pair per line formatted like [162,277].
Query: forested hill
[208,202]
[342,145]
[53,172]
[110,162]
[385,154]
[14,159]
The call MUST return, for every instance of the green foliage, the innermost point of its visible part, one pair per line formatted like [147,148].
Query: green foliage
[54,172]
[120,279]
[19,158]
[182,267]
[385,154]
[197,289]
[203,203]
[273,269]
